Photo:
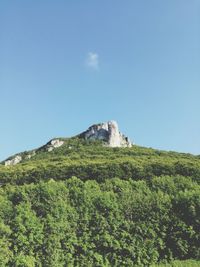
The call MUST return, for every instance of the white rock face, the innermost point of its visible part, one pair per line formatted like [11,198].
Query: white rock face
[29,156]
[13,161]
[54,144]
[108,132]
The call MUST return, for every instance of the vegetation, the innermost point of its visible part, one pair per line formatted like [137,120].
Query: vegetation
[88,205]
[187,263]
[91,160]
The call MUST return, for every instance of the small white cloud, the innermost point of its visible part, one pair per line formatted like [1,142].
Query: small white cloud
[92,60]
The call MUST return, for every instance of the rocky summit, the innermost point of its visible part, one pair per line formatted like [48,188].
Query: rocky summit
[107,132]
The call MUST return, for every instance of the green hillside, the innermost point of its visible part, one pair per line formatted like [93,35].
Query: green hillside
[85,204]
[90,160]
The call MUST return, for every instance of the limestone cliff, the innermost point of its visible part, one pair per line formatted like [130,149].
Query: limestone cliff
[107,132]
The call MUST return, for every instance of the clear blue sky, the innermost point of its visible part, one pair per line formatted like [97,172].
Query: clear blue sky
[65,65]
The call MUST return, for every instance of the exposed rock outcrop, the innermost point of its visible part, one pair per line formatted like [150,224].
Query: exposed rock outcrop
[51,145]
[107,132]
[54,144]
[17,159]
[32,154]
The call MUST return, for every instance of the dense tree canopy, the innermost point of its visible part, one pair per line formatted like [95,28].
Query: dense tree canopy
[124,207]
[114,223]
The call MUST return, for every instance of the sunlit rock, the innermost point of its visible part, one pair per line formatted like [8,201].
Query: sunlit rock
[108,132]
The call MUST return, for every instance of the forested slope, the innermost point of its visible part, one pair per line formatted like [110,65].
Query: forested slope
[91,160]
[84,204]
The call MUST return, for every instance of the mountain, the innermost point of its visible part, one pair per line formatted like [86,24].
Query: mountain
[97,199]
[98,153]
[107,132]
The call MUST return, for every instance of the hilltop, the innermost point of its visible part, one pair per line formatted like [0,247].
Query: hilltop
[98,153]
[108,133]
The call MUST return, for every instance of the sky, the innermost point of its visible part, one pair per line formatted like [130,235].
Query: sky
[65,65]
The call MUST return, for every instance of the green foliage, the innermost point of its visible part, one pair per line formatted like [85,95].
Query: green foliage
[93,161]
[114,223]
[128,207]
[5,252]
[187,263]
